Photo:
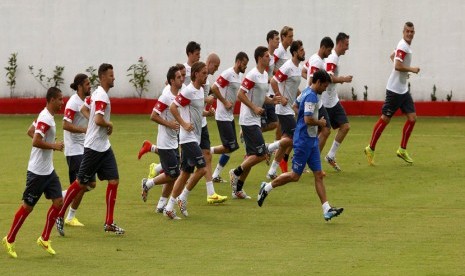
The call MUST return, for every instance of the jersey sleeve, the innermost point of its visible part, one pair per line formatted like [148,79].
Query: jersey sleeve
[281,74]
[305,66]
[222,81]
[310,105]
[70,111]
[160,106]
[247,83]
[42,125]
[181,100]
[101,102]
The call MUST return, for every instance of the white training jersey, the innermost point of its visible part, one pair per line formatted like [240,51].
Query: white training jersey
[281,55]
[397,82]
[255,85]
[167,138]
[191,103]
[228,84]
[288,77]
[206,92]
[41,160]
[314,63]
[329,97]
[270,70]
[187,80]
[74,142]
[96,136]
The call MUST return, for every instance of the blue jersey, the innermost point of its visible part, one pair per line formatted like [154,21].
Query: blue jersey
[308,106]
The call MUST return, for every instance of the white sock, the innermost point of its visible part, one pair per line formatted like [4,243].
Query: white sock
[217,171]
[153,148]
[150,183]
[273,146]
[212,150]
[332,151]
[158,168]
[185,194]
[326,207]
[274,166]
[63,193]
[210,188]
[162,202]
[71,213]
[268,187]
[171,203]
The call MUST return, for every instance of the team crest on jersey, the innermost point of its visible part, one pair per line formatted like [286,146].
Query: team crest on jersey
[400,54]
[330,67]
[309,107]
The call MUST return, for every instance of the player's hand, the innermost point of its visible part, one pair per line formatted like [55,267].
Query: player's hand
[209,99]
[258,110]
[415,70]
[59,146]
[348,79]
[174,125]
[110,128]
[228,105]
[211,112]
[322,122]
[277,99]
[284,101]
[188,127]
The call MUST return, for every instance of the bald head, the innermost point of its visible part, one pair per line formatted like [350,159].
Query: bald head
[213,62]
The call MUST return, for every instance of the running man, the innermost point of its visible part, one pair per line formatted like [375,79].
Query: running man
[193,55]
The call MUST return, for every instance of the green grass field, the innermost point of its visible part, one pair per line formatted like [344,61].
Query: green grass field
[398,220]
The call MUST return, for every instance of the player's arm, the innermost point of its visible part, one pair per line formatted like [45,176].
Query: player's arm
[159,120]
[30,131]
[177,116]
[243,99]
[69,126]
[216,92]
[309,120]
[399,66]
[38,142]
[85,111]
[340,79]
[304,72]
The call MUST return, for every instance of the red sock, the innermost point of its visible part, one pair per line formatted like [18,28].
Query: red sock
[112,190]
[20,217]
[377,131]
[73,190]
[408,128]
[51,218]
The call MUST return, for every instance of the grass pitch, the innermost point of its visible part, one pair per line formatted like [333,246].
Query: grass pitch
[399,219]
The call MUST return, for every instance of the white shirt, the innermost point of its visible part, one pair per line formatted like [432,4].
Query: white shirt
[288,77]
[41,160]
[191,104]
[255,85]
[397,82]
[96,136]
[206,91]
[187,80]
[329,97]
[167,138]
[281,55]
[228,84]
[74,142]
[270,70]
[314,63]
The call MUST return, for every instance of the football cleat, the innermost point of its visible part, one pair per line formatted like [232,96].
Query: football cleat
[60,226]
[218,179]
[152,171]
[240,195]
[182,203]
[370,155]
[46,245]
[332,212]
[9,247]
[403,154]
[233,178]
[262,194]
[146,147]
[145,190]
[271,176]
[171,214]
[73,222]
[113,228]
[332,163]
[216,198]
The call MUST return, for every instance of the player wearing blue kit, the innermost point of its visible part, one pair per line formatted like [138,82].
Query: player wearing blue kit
[305,145]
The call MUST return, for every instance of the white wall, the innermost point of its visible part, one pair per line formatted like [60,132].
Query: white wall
[81,33]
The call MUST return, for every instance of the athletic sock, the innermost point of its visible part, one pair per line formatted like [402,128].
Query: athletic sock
[171,203]
[273,146]
[185,194]
[240,184]
[162,202]
[217,171]
[210,188]
[51,218]
[71,213]
[377,131]
[73,190]
[408,128]
[18,221]
[224,158]
[333,150]
[326,207]
[286,157]
[150,183]
[238,171]
[153,148]
[268,187]
[112,191]
[274,166]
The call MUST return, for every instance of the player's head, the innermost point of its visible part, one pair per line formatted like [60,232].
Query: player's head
[193,51]
[241,61]
[272,38]
[260,53]
[409,32]
[297,50]
[174,77]
[287,35]
[213,62]
[54,99]
[106,75]
[199,72]
[182,69]
[320,81]
[326,46]
[81,84]
[342,43]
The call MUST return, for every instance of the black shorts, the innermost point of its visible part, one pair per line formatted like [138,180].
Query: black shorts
[101,163]
[169,159]
[74,162]
[269,116]
[227,130]
[322,113]
[254,142]
[36,185]
[191,157]
[395,101]
[205,139]
[337,115]
[287,123]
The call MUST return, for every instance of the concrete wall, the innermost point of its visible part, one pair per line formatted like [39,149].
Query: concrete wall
[82,33]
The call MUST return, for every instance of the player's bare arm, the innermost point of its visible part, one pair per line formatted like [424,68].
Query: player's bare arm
[159,120]
[185,125]
[38,142]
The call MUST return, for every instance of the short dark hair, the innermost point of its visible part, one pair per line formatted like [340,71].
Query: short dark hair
[271,34]
[103,68]
[191,47]
[241,56]
[171,75]
[327,42]
[52,93]
[180,66]
[409,24]
[295,45]
[260,52]
[322,76]
[196,67]
[78,80]
[341,36]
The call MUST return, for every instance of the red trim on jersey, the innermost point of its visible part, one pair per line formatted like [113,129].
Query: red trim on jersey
[248,84]
[69,114]
[330,67]
[100,106]
[42,127]
[88,100]
[280,76]
[276,58]
[400,54]
[181,100]
[160,107]
[222,82]
[313,69]
[307,64]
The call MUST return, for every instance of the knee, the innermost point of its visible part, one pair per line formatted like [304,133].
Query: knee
[294,177]
[345,128]
[113,182]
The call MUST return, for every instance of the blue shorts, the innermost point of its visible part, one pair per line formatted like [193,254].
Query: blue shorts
[169,159]
[337,115]
[228,135]
[74,162]
[102,163]
[191,157]
[254,142]
[36,185]
[287,123]
[395,101]
[306,153]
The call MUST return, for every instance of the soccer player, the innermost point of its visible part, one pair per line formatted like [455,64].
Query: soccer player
[98,154]
[398,96]
[285,83]
[167,139]
[193,55]
[191,103]
[41,175]
[252,95]
[74,132]
[269,118]
[337,115]
[225,90]
[306,145]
